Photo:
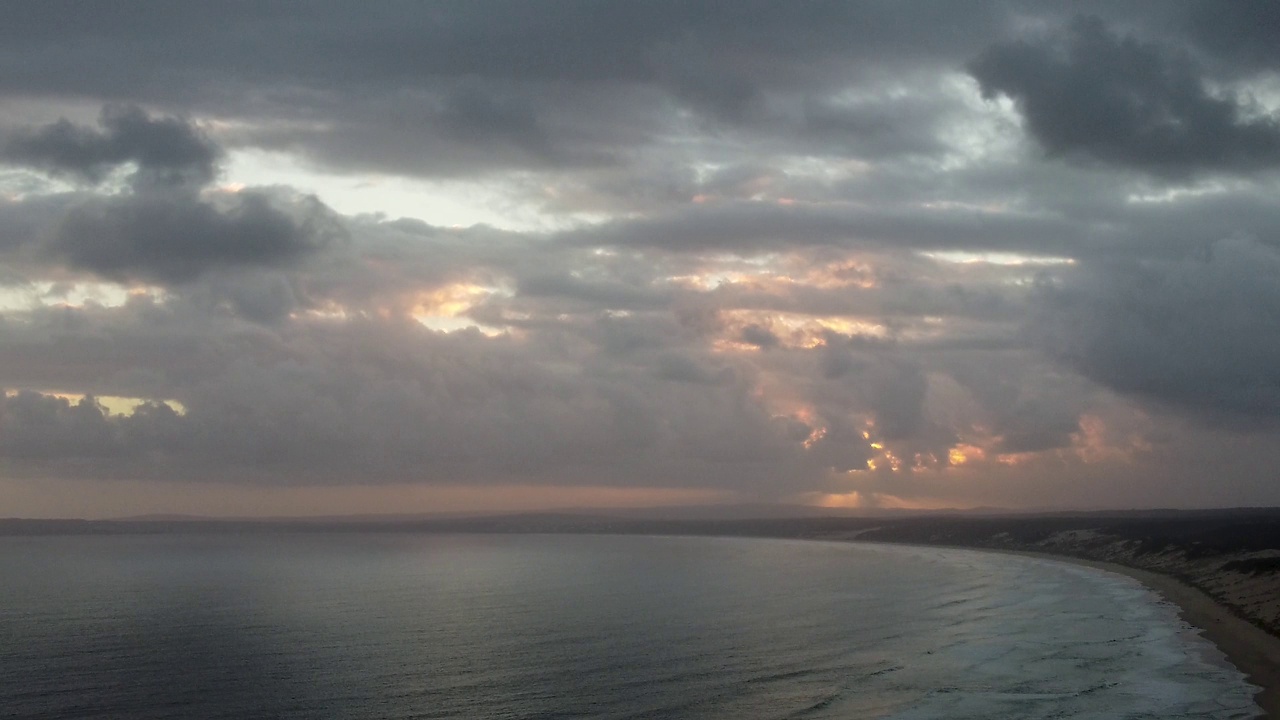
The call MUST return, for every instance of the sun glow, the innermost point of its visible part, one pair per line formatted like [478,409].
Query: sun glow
[116,405]
[856,499]
[35,295]
[884,459]
[965,453]
[447,308]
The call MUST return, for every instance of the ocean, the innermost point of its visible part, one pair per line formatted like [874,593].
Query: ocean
[312,625]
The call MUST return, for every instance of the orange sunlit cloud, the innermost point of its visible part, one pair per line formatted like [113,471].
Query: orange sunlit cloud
[854,500]
[1092,444]
[448,301]
[445,308]
[793,330]
[964,453]
[779,274]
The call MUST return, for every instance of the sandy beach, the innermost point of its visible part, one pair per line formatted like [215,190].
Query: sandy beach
[1251,649]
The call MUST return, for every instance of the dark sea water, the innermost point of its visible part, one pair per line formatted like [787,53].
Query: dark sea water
[431,626]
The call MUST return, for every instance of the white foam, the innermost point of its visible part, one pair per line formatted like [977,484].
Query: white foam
[1052,639]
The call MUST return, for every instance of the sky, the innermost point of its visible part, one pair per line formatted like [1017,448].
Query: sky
[277,258]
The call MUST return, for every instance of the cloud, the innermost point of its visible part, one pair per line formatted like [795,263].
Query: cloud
[758,336]
[146,347]
[1246,34]
[378,402]
[753,227]
[257,294]
[457,91]
[167,151]
[1095,95]
[770,249]
[1030,404]
[598,293]
[1196,333]
[676,367]
[45,427]
[175,238]
[897,392]
[166,226]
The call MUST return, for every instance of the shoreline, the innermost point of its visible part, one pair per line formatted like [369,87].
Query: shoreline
[1252,650]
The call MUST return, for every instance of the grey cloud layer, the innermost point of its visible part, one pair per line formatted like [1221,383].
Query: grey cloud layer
[167,151]
[443,87]
[783,243]
[174,239]
[455,88]
[378,402]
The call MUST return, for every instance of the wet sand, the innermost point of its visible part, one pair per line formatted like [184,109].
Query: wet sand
[1251,649]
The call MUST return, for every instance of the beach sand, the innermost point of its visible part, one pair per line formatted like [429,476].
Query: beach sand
[1251,649]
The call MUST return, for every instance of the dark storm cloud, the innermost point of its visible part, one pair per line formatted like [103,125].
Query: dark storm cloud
[472,116]
[1098,95]
[176,238]
[567,39]
[163,227]
[258,294]
[758,336]
[1245,34]
[875,127]
[1197,333]
[42,427]
[168,151]
[456,88]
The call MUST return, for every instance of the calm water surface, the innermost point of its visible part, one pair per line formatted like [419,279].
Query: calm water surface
[433,626]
